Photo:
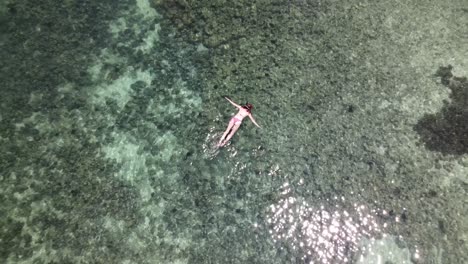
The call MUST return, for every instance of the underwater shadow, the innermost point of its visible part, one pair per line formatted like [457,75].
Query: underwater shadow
[447,131]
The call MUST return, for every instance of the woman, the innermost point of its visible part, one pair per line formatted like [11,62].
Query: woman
[236,121]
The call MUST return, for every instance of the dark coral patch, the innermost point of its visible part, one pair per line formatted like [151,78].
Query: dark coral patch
[447,131]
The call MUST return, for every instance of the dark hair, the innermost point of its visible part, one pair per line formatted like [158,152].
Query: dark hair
[248,107]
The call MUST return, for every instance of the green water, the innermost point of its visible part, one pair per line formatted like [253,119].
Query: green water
[110,112]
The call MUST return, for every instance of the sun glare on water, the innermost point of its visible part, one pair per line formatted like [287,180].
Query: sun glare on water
[318,233]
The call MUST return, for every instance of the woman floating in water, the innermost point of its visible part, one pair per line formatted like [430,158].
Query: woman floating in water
[234,124]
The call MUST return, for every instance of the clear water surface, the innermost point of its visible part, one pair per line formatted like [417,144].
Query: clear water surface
[111,110]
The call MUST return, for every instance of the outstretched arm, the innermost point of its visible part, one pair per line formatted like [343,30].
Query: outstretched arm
[253,121]
[234,104]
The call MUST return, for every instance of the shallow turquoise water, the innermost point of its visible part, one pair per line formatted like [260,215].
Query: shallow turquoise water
[110,112]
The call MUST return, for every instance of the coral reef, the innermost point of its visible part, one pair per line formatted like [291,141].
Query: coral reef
[447,131]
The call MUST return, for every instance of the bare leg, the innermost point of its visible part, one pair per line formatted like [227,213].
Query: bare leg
[233,131]
[230,125]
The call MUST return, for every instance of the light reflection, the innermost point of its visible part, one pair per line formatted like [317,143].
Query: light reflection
[320,234]
[416,254]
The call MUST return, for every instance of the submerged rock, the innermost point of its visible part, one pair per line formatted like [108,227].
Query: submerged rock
[447,131]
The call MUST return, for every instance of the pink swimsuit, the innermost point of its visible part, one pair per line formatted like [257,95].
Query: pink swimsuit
[236,121]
